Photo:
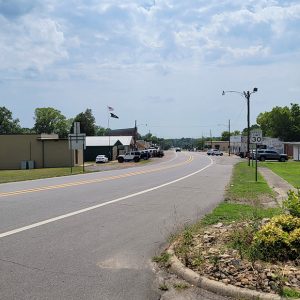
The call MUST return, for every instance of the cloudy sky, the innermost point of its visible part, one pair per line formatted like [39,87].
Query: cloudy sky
[163,63]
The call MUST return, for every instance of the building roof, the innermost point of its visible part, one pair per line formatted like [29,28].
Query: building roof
[124,132]
[108,140]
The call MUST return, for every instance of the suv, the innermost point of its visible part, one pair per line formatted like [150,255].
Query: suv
[214,152]
[264,154]
[130,156]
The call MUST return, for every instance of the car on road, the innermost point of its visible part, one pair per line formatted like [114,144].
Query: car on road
[130,156]
[101,159]
[216,152]
[266,154]
[178,149]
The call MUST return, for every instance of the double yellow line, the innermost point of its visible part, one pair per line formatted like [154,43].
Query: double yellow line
[83,182]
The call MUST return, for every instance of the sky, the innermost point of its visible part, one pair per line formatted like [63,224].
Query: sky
[163,63]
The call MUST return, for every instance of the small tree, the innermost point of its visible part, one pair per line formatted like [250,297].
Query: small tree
[50,120]
[87,122]
[8,125]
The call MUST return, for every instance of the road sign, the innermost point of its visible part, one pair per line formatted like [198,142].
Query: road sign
[77,141]
[256,136]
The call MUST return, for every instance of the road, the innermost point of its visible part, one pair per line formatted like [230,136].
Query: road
[93,236]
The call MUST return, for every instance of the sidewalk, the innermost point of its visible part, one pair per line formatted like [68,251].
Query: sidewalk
[277,183]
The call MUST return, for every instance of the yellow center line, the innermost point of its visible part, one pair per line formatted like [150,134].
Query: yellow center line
[83,182]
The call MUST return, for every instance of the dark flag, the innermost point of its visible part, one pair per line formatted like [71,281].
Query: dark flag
[114,116]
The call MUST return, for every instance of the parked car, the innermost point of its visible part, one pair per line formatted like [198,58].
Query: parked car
[178,149]
[266,154]
[130,156]
[216,152]
[101,159]
[145,154]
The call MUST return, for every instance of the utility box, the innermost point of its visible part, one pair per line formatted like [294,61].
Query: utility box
[30,164]
[23,164]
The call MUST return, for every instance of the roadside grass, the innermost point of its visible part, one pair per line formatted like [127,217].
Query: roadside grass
[227,212]
[21,175]
[243,186]
[290,171]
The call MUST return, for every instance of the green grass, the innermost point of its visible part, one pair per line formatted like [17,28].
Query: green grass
[290,171]
[290,293]
[21,175]
[244,187]
[227,212]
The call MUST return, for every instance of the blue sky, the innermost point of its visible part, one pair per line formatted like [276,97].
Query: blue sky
[163,63]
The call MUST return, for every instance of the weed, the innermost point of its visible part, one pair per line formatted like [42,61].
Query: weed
[163,287]
[290,293]
[180,285]
[162,259]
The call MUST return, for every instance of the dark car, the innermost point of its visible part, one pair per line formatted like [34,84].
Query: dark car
[145,154]
[265,154]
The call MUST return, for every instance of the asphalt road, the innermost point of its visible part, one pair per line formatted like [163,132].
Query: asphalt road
[93,236]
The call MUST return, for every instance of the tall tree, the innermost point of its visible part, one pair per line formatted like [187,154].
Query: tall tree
[281,122]
[87,122]
[8,125]
[50,120]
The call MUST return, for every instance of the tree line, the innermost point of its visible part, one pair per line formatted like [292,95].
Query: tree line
[280,122]
[50,120]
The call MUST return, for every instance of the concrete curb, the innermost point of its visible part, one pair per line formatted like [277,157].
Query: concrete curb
[215,286]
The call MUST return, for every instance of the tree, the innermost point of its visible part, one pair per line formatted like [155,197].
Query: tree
[8,125]
[101,131]
[225,136]
[281,122]
[50,120]
[87,122]
[252,127]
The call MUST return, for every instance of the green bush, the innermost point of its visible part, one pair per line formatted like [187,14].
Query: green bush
[292,203]
[294,240]
[286,222]
[279,239]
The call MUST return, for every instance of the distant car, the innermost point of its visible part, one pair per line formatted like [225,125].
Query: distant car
[265,154]
[178,149]
[216,152]
[101,159]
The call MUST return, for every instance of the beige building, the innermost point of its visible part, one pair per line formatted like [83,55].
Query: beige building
[35,151]
[221,145]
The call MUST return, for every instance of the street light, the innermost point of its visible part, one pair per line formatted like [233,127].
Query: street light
[247,96]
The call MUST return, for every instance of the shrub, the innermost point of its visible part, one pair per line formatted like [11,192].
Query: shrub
[279,239]
[286,222]
[272,242]
[292,203]
[294,240]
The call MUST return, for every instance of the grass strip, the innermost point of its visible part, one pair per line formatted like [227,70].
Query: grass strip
[243,186]
[21,175]
[290,171]
[227,212]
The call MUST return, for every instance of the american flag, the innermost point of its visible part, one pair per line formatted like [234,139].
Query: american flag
[110,108]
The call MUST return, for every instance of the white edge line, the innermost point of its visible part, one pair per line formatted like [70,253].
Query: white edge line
[34,225]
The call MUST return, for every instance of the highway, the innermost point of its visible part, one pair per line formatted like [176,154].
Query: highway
[92,236]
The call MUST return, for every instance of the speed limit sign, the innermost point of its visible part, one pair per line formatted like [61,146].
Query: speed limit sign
[256,136]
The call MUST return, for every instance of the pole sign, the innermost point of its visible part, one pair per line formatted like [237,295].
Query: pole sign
[256,136]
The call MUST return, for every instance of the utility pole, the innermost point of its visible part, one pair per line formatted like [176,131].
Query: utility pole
[247,96]
[229,137]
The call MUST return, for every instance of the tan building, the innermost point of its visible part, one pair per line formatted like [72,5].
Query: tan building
[221,145]
[34,151]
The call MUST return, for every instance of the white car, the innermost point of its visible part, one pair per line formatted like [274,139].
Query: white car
[214,152]
[101,159]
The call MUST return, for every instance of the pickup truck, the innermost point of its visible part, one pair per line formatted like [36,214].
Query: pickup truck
[265,154]
[130,156]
